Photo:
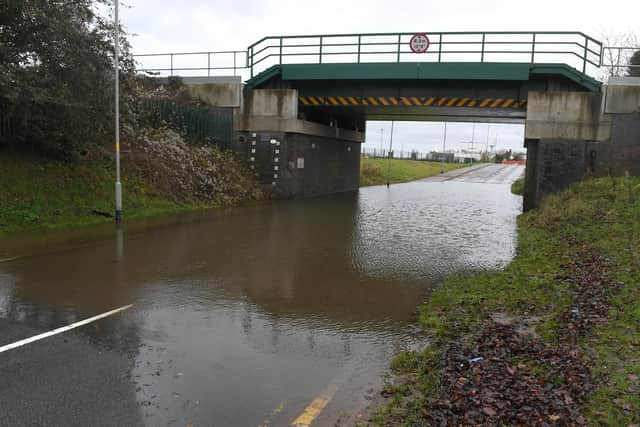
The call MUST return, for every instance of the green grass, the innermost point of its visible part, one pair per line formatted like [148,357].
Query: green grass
[518,186]
[37,193]
[605,214]
[374,171]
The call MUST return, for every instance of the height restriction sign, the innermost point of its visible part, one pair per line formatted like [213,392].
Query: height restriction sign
[419,43]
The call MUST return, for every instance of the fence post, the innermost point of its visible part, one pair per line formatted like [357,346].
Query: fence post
[584,59]
[533,49]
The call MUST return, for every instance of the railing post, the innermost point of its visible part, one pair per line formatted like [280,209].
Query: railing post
[171,73]
[533,49]
[280,56]
[320,50]
[234,62]
[209,64]
[482,53]
[584,59]
[359,40]
[250,60]
[399,38]
[440,48]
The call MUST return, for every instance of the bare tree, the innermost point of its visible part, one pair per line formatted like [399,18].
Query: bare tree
[618,48]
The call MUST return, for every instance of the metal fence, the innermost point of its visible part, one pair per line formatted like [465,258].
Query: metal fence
[221,62]
[573,48]
[211,125]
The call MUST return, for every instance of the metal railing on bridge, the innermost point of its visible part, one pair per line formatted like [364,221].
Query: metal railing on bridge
[572,48]
[575,49]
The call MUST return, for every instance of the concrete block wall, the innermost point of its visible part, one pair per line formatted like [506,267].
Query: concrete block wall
[296,165]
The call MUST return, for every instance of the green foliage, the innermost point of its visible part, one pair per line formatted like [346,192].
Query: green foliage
[56,73]
[375,171]
[518,186]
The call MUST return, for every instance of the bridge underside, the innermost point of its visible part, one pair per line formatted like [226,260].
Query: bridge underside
[346,95]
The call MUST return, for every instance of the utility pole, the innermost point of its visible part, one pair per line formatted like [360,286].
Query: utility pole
[444,147]
[381,138]
[389,160]
[116,42]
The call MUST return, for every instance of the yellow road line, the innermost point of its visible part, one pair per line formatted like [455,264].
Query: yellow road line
[314,409]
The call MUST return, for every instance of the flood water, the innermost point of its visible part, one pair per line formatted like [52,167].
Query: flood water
[243,317]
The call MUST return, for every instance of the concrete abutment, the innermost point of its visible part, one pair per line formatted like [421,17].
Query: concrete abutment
[573,135]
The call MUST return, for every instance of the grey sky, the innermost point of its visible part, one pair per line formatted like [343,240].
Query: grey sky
[200,25]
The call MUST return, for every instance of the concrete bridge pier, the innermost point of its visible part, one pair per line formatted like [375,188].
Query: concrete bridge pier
[572,135]
[291,156]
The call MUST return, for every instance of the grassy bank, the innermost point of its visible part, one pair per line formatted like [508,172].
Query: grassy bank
[518,186]
[559,328]
[374,171]
[43,193]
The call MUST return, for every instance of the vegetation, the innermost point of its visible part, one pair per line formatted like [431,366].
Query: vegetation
[375,171]
[56,68]
[518,186]
[38,192]
[589,234]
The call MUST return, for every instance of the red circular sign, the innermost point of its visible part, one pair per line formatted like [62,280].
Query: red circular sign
[419,43]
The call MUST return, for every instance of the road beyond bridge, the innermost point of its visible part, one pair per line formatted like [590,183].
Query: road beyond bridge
[300,116]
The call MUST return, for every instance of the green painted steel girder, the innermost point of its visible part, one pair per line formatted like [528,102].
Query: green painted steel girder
[469,71]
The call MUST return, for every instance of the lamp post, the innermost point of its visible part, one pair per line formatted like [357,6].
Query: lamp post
[389,156]
[444,146]
[116,42]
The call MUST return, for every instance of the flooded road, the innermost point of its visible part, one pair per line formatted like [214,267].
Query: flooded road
[245,316]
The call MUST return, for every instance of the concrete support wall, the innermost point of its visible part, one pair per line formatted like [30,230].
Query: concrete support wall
[300,165]
[570,136]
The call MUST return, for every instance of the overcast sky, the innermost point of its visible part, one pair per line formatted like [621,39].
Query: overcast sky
[213,25]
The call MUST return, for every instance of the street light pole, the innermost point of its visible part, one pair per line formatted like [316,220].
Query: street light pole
[389,160]
[444,146]
[116,40]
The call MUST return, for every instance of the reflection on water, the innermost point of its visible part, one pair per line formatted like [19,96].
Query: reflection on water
[266,304]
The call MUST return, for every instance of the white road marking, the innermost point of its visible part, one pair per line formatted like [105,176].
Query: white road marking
[62,329]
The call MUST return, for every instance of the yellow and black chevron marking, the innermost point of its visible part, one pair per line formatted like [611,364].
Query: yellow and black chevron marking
[403,101]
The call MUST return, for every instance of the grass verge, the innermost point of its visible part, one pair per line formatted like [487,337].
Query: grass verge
[599,214]
[39,193]
[518,186]
[374,171]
